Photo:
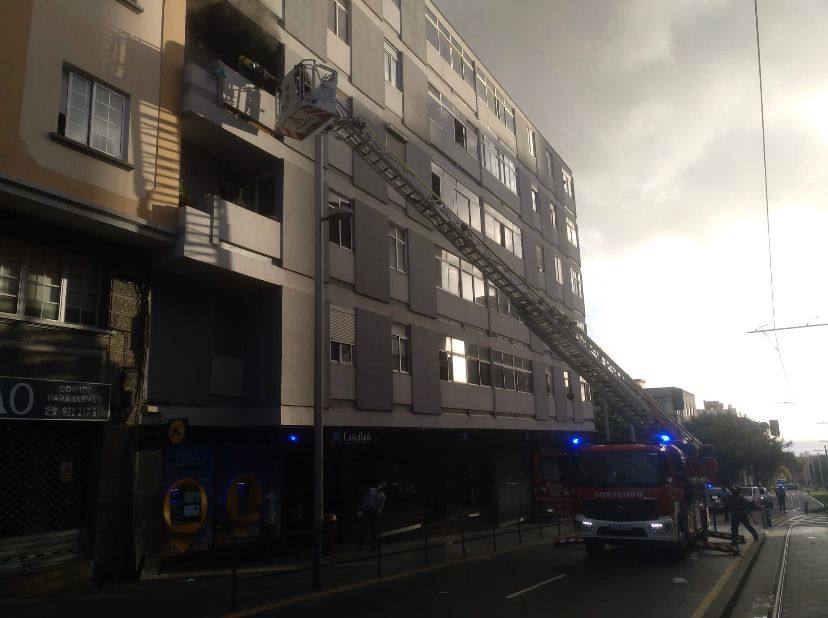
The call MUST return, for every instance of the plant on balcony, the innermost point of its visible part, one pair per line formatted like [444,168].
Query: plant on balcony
[184,198]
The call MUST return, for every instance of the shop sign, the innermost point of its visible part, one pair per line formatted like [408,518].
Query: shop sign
[352,437]
[26,399]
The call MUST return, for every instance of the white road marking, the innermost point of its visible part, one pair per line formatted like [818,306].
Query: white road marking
[538,585]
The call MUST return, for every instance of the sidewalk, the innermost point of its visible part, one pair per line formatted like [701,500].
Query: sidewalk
[209,592]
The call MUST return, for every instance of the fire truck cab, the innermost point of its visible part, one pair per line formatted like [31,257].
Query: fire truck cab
[638,493]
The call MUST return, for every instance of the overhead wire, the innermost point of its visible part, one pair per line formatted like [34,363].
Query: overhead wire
[775,342]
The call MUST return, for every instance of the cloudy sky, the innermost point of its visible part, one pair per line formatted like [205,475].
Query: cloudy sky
[655,105]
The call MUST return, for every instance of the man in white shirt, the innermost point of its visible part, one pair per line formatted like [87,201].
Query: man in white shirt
[373,505]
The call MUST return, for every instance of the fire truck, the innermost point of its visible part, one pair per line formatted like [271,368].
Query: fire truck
[642,493]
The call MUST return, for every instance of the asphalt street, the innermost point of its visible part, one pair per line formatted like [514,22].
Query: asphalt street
[536,581]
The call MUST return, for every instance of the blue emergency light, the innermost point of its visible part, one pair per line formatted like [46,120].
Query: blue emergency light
[665,438]
[293,438]
[575,440]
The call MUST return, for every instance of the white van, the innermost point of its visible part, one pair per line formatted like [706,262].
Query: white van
[753,496]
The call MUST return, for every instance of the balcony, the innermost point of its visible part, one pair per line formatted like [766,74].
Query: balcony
[221,107]
[228,236]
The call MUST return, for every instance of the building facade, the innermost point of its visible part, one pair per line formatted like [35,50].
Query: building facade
[678,403]
[177,261]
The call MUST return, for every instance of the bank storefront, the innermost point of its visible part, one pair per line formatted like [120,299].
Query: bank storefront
[50,440]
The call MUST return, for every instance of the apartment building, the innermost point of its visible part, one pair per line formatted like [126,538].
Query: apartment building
[148,151]
[679,403]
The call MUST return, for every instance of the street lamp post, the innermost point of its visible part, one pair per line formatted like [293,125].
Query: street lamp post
[819,465]
[319,346]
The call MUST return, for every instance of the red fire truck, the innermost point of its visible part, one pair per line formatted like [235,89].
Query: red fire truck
[641,493]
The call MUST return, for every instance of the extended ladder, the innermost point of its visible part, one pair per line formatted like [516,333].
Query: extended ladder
[551,325]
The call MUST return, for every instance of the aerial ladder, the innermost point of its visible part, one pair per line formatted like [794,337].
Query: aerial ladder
[308,105]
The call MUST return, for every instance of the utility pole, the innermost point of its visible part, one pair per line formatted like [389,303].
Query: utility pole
[819,465]
[318,356]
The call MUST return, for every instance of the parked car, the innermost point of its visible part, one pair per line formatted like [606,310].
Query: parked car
[717,499]
[753,496]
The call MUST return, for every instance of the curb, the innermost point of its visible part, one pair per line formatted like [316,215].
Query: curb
[740,585]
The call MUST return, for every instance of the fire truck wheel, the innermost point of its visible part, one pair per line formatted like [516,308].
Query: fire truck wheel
[593,547]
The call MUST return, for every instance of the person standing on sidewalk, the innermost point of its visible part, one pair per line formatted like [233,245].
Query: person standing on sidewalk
[781,497]
[737,507]
[373,505]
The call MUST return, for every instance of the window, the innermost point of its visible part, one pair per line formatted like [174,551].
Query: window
[397,241]
[499,302]
[558,270]
[549,163]
[580,324]
[340,230]
[338,18]
[571,232]
[511,372]
[566,383]
[532,145]
[38,283]
[399,347]
[94,115]
[499,164]
[501,230]
[539,258]
[395,145]
[495,101]
[586,392]
[553,215]
[459,199]
[440,107]
[534,196]
[550,381]
[393,66]
[342,335]
[567,181]
[344,102]
[450,48]
[577,284]
[460,278]
[465,363]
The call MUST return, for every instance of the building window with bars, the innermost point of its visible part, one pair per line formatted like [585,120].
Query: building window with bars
[511,372]
[460,278]
[340,230]
[338,11]
[399,348]
[342,335]
[48,285]
[397,243]
[393,66]
[94,115]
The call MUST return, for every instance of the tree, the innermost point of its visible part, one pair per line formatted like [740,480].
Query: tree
[742,444]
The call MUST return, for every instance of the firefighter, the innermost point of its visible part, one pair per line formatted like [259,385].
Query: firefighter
[738,507]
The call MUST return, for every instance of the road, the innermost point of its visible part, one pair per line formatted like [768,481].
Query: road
[535,581]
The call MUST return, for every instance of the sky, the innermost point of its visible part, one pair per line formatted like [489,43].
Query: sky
[655,106]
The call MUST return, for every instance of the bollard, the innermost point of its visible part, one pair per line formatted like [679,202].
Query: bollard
[462,538]
[520,536]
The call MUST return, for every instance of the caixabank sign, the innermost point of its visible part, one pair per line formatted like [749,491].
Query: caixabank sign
[35,399]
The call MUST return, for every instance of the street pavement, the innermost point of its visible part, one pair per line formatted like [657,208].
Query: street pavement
[537,579]
[804,593]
